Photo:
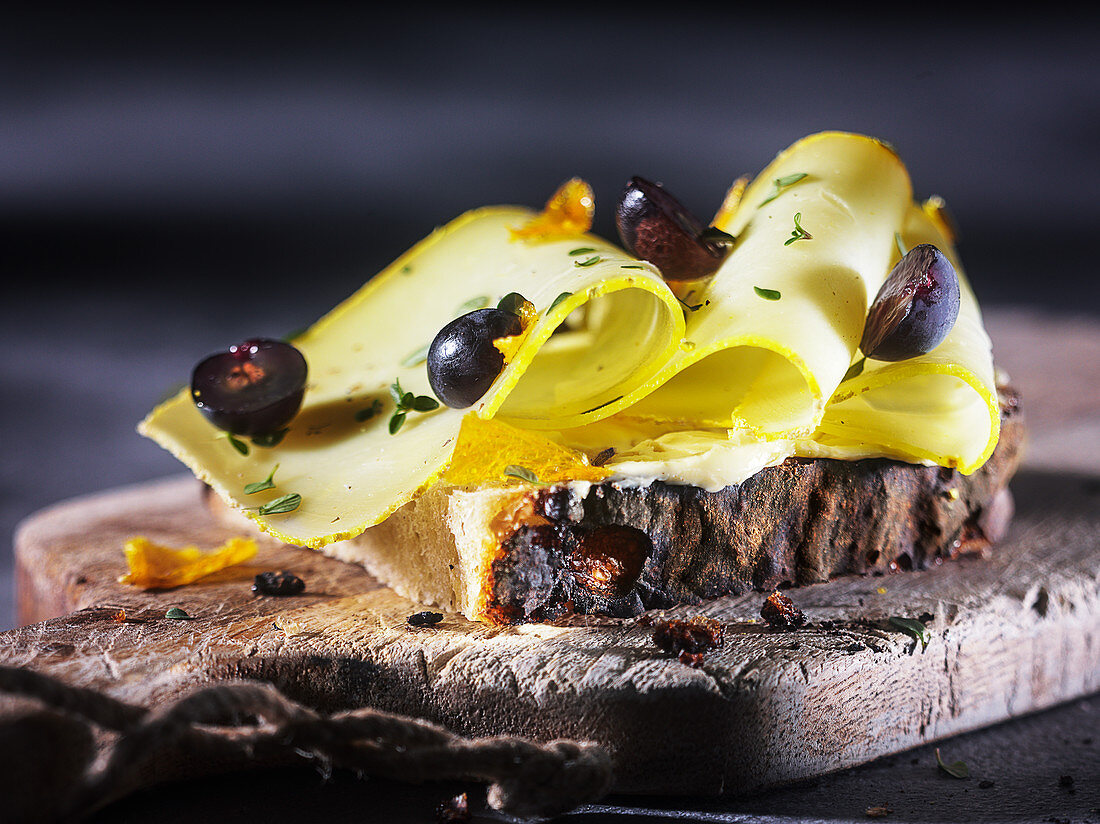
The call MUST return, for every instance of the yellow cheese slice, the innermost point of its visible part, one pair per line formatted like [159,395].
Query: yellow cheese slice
[771,365]
[351,474]
[938,408]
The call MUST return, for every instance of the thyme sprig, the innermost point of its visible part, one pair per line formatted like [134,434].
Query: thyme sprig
[855,370]
[283,504]
[521,472]
[781,183]
[956,769]
[236,443]
[473,304]
[798,233]
[900,244]
[416,356]
[914,629]
[559,299]
[767,294]
[260,486]
[405,402]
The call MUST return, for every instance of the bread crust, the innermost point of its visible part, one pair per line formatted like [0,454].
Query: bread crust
[506,555]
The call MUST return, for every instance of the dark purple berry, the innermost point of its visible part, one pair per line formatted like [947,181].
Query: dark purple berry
[914,309]
[653,225]
[462,360]
[254,389]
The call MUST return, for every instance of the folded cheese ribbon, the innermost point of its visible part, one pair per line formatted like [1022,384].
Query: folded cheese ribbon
[817,228]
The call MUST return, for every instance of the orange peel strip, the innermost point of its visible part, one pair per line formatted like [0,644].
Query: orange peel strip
[487,447]
[154,566]
[569,211]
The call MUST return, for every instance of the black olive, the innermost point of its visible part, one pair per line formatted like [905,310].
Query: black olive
[653,225]
[915,307]
[462,360]
[255,388]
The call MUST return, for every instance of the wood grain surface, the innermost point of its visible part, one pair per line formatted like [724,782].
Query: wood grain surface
[1010,634]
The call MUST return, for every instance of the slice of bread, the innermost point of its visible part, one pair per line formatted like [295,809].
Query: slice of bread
[513,554]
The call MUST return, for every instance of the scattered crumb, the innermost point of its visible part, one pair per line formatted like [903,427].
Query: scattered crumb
[287,626]
[424,619]
[878,811]
[281,583]
[779,611]
[688,638]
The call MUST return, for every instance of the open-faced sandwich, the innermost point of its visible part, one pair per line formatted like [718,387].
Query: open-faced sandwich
[518,420]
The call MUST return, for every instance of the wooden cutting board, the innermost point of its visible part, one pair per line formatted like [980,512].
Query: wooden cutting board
[1010,634]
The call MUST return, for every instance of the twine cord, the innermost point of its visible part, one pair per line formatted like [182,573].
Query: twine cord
[246,720]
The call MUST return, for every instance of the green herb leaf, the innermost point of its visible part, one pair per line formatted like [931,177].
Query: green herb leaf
[406,402]
[473,304]
[260,486]
[900,244]
[418,356]
[397,420]
[286,503]
[368,413]
[956,769]
[583,250]
[781,183]
[694,307]
[522,473]
[559,299]
[396,392]
[631,266]
[712,234]
[913,628]
[237,443]
[587,262]
[798,233]
[767,294]
[513,302]
[176,613]
[854,370]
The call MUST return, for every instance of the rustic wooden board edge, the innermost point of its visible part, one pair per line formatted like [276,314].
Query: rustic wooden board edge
[1011,635]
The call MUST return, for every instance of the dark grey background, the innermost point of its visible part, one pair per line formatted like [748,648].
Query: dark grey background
[172,181]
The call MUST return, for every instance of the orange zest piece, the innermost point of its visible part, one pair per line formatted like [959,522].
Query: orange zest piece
[486,448]
[569,211]
[510,344]
[730,202]
[154,566]
[936,209]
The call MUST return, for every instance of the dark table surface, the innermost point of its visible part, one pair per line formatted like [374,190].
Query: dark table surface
[173,181]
